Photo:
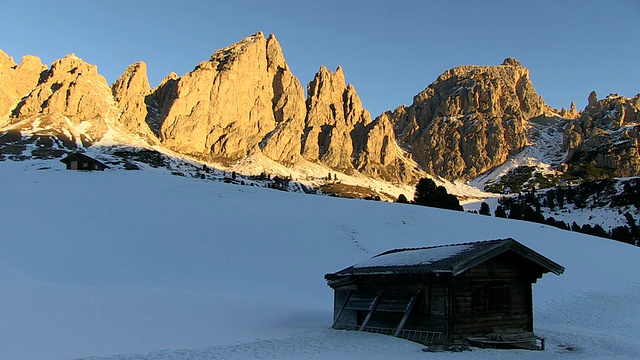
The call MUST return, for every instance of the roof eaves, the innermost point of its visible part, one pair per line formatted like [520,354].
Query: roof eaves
[502,247]
[491,251]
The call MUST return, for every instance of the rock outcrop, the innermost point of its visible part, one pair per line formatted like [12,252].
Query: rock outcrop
[243,97]
[571,114]
[382,158]
[17,81]
[335,124]
[244,100]
[469,120]
[288,105]
[340,134]
[71,90]
[130,92]
[606,136]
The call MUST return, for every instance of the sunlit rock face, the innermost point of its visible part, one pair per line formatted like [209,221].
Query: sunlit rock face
[131,91]
[469,120]
[17,80]
[240,101]
[245,100]
[71,94]
[335,124]
[606,135]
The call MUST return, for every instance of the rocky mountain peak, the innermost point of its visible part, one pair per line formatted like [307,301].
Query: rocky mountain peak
[334,128]
[470,119]
[74,90]
[573,109]
[233,104]
[327,86]
[244,101]
[593,99]
[511,62]
[17,80]
[275,57]
[606,136]
[225,58]
[132,80]
[130,91]
[569,114]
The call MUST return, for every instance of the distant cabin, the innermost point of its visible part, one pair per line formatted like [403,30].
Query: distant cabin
[478,292]
[79,161]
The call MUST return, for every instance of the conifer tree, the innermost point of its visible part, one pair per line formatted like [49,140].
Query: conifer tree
[515,212]
[500,212]
[484,209]
[575,227]
[429,194]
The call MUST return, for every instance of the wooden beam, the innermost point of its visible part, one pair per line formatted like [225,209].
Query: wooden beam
[413,301]
[373,308]
[346,300]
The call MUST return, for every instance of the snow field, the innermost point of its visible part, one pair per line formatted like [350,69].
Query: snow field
[162,267]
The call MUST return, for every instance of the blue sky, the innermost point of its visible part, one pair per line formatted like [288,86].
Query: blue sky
[390,50]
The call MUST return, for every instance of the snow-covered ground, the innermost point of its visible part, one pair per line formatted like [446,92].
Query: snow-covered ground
[608,217]
[93,265]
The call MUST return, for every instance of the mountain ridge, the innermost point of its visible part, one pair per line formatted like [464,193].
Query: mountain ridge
[244,102]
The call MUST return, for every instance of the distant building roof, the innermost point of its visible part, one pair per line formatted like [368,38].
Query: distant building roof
[454,259]
[80,157]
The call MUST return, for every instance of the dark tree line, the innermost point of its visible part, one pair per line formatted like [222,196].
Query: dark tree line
[429,194]
[595,194]
[528,206]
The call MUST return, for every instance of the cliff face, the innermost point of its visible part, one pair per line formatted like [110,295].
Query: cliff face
[245,100]
[17,81]
[242,99]
[70,94]
[469,120]
[606,135]
[131,91]
[381,156]
[339,132]
[334,127]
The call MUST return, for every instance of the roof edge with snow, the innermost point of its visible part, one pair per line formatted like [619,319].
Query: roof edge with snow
[454,259]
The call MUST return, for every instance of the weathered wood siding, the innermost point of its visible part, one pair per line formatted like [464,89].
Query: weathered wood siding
[504,270]
[429,313]
[348,316]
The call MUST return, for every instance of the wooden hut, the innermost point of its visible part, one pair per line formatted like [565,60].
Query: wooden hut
[478,291]
[80,161]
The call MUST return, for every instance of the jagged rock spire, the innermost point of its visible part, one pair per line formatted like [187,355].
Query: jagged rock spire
[130,91]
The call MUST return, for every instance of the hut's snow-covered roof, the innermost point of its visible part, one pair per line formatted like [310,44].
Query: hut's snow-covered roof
[454,259]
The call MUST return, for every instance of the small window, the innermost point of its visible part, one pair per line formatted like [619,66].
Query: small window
[490,297]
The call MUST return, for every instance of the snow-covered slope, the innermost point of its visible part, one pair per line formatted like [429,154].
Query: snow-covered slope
[544,137]
[166,267]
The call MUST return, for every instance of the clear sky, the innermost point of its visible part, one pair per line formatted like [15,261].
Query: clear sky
[390,50]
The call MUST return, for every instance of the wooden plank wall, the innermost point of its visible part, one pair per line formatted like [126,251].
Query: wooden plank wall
[501,270]
[429,312]
[348,317]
